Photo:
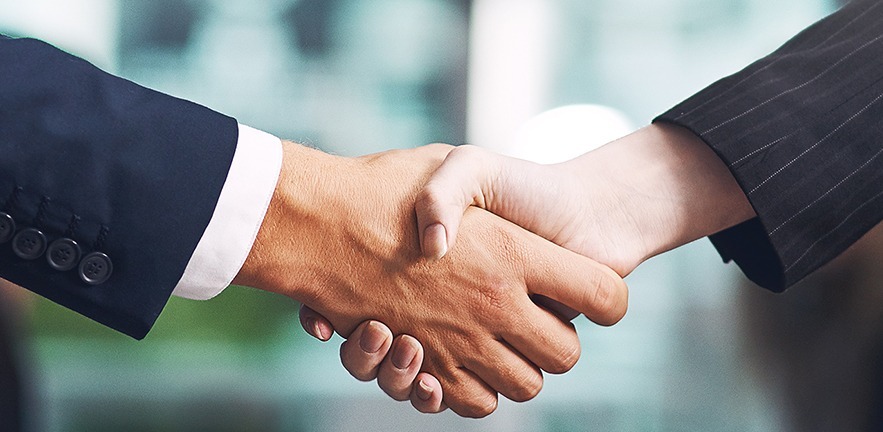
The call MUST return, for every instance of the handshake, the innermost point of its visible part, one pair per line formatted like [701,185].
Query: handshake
[454,272]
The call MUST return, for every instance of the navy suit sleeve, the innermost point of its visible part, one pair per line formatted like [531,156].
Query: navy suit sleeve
[119,169]
[802,132]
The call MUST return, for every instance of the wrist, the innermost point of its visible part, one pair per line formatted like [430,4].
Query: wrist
[306,189]
[704,197]
[672,186]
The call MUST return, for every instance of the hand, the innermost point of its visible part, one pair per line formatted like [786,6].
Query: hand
[639,196]
[340,236]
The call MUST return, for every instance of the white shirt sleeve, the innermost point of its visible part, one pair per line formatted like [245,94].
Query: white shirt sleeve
[241,207]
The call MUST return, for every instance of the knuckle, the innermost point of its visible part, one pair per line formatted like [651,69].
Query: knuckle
[361,375]
[430,196]
[603,298]
[466,151]
[439,146]
[392,391]
[360,367]
[480,407]
[529,390]
[610,298]
[566,358]
[394,383]
[438,151]
[496,294]
[425,407]
[437,199]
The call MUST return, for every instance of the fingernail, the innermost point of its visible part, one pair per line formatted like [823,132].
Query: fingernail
[424,391]
[435,241]
[372,338]
[313,328]
[318,331]
[403,354]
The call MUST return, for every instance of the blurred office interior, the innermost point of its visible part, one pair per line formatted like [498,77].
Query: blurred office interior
[701,349]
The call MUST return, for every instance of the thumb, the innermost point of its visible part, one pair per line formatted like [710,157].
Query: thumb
[458,183]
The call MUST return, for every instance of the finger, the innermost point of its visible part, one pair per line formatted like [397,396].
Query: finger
[542,338]
[398,371]
[577,282]
[563,311]
[467,395]
[454,186]
[315,324]
[426,395]
[509,373]
[364,351]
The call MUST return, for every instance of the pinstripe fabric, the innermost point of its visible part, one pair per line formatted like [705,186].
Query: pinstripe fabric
[802,132]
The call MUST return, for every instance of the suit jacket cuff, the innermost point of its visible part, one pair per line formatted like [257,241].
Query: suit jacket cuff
[800,132]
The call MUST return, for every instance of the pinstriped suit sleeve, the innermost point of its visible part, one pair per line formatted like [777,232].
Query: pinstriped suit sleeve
[801,130]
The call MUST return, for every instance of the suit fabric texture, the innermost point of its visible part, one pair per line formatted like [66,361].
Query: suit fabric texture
[119,169]
[802,132]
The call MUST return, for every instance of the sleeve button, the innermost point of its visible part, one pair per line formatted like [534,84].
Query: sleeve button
[95,268]
[7,227]
[63,254]
[29,244]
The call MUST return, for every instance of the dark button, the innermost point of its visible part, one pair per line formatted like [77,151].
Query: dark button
[95,268]
[63,254]
[7,227]
[29,244]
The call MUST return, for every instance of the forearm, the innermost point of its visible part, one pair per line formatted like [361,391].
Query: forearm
[667,185]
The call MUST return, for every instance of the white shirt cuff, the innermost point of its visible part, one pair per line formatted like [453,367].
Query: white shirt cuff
[238,215]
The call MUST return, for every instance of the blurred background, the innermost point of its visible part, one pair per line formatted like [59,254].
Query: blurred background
[701,348]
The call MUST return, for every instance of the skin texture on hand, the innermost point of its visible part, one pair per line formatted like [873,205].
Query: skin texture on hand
[341,236]
[649,192]
[635,198]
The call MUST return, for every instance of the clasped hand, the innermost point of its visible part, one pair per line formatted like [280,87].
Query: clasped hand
[341,235]
[632,199]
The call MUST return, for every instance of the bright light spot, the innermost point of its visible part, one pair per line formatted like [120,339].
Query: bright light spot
[566,132]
